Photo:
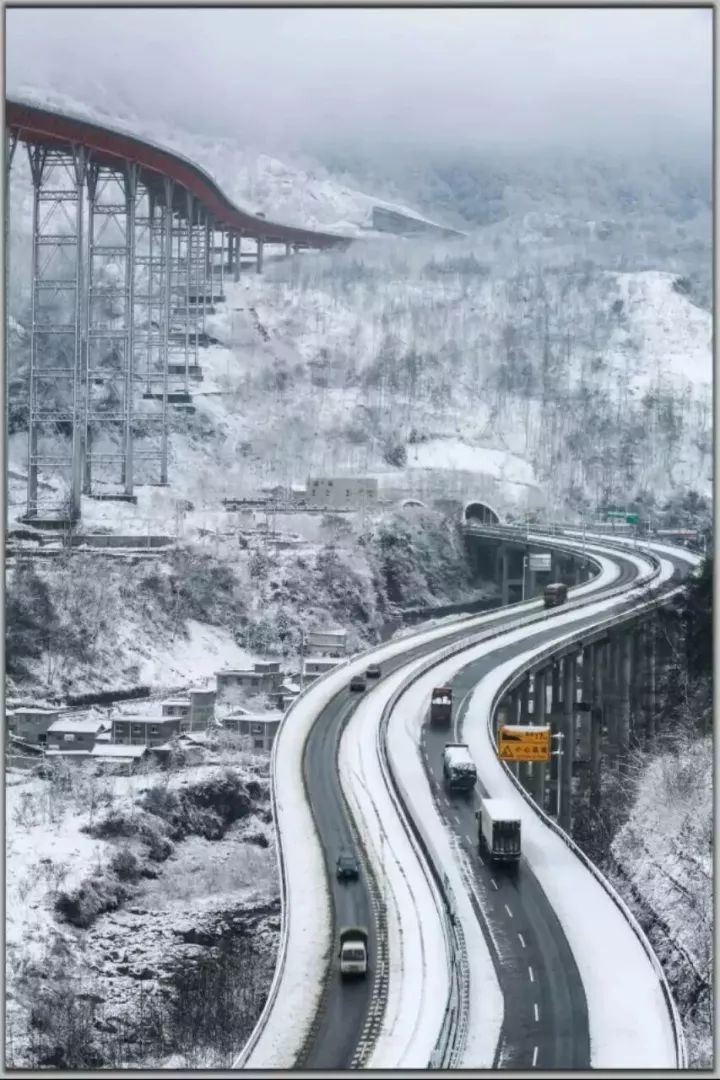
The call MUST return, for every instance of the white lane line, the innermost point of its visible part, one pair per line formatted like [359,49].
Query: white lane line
[522,940]
[493,882]
[509,911]
[535,1057]
[457,818]
[530,972]
[537,1012]
[482,861]
[470,840]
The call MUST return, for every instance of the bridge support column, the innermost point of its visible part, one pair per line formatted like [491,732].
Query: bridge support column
[288,251]
[56,371]
[650,683]
[167,231]
[612,700]
[625,681]
[556,699]
[539,715]
[637,681]
[260,247]
[555,729]
[526,767]
[503,559]
[592,717]
[568,747]
[237,252]
[515,719]
[131,194]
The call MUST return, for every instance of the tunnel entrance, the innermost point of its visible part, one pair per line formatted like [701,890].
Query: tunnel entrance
[481,514]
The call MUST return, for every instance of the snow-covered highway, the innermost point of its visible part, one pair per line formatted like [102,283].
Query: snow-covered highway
[313,1020]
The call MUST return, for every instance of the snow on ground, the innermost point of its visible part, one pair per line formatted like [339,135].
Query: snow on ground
[40,833]
[613,965]
[664,327]
[456,454]
[418,982]
[206,650]
[292,1003]
[486,1001]
[581,904]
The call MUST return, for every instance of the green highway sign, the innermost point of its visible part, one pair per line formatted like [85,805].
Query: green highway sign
[620,515]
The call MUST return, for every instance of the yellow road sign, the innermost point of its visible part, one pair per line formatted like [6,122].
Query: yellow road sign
[524,742]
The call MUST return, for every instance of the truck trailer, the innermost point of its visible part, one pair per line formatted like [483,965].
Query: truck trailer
[353,951]
[555,594]
[499,830]
[441,706]
[459,768]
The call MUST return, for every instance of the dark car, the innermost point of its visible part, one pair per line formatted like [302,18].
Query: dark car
[357,683]
[347,867]
[373,672]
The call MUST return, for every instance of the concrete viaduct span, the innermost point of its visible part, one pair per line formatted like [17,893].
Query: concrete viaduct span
[131,245]
[597,691]
[501,553]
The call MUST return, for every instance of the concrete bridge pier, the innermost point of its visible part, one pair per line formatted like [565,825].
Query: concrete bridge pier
[637,680]
[624,684]
[592,656]
[514,717]
[612,699]
[539,717]
[651,728]
[525,717]
[260,251]
[555,729]
[234,252]
[509,573]
[568,747]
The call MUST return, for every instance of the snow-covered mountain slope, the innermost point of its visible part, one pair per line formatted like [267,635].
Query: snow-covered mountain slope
[504,367]
[298,193]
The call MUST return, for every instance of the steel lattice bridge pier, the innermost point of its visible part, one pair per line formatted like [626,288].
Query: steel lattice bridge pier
[131,246]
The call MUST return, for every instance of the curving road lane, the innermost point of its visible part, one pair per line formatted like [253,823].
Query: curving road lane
[339,1025]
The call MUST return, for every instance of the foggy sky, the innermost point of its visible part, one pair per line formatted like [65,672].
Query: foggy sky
[593,78]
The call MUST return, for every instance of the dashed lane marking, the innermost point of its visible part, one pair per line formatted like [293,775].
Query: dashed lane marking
[493,882]
[535,1057]
[530,973]
[537,1013]
[509,911]
[522,940]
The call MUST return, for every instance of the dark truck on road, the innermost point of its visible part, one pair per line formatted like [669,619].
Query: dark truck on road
[555,594]
[441,706]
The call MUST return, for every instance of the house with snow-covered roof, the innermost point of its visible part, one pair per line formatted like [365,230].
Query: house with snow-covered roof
[71,734]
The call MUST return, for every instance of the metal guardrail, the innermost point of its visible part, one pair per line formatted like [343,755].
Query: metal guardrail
[532,664]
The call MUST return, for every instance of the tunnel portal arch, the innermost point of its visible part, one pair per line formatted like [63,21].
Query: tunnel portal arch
[480,513]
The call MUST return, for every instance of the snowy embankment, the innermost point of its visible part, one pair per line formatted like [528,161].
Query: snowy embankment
[613,964]
[306,935]
[418,983]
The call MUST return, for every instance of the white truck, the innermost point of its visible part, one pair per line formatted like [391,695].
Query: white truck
[353,951]
[458,767]
[499,830]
